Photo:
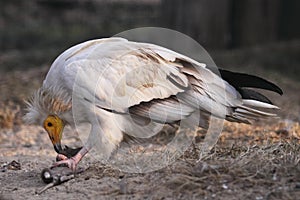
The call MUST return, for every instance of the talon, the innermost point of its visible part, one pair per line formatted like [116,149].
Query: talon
[69,162]
[60,157]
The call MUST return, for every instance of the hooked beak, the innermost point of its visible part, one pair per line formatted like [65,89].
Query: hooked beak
[57,148]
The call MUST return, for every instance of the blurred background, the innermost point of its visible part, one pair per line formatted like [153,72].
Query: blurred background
[255,36]
[35,31]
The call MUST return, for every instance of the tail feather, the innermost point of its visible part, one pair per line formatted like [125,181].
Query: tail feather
[245,114]
[251,94]
[258,104]
[238,119]
[241,109]
[254,104]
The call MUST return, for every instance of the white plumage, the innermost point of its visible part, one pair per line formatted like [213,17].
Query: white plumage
[104,80]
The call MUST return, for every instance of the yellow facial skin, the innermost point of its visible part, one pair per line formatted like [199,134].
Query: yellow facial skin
[54,127]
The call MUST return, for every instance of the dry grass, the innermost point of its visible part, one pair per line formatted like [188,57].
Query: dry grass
[268,171]
[9,115]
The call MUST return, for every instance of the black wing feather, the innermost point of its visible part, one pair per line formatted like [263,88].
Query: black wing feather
[239,80]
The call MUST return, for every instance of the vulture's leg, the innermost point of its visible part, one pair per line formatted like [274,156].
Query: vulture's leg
[71,162]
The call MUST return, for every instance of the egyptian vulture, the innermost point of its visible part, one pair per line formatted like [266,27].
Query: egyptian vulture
[114,78]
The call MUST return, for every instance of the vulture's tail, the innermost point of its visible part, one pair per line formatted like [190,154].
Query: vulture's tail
[254,103]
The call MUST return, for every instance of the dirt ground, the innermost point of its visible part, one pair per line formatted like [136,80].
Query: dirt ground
[258,162]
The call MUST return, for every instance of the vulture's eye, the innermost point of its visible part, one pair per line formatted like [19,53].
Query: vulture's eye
[49,124]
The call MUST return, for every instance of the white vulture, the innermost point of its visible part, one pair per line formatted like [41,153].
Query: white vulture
[114,78]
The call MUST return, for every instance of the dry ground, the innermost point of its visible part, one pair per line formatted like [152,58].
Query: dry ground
[249,162]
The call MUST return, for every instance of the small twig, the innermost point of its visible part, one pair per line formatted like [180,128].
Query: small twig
[57,176]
